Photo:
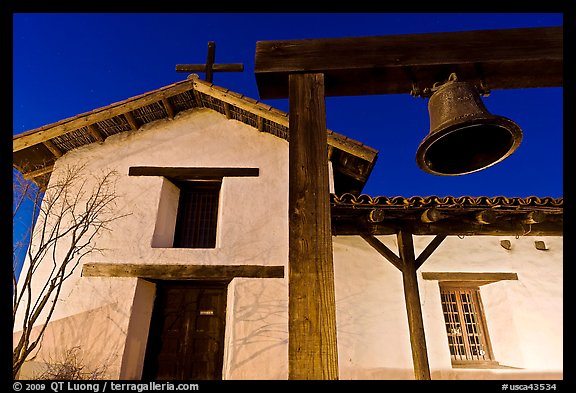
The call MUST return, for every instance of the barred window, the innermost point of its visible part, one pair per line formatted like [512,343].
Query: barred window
[466,326]
[197,214]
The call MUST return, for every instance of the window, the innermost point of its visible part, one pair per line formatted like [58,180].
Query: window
[197,214]
[465,325]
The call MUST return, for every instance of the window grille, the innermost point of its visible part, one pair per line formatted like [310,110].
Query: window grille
[465,326]
[197,214]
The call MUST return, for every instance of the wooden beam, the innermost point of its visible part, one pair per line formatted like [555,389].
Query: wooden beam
[33,174]
[384,251]
[534,217]
[39,135]
[432,215]
[486,217]
[53,148]
[503,59]
[485,277]
[312,349]
[357,225]
[227,110]
[413,307]
[169,108]
[131,120]
[95,133]
[232,67]
[192,172]
[180,272]
[430,248]
[376,215]
[281,118]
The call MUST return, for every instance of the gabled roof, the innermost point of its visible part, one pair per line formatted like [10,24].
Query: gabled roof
[35,151]
[431,215]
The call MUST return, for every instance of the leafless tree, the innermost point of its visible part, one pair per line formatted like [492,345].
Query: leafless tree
[70,212]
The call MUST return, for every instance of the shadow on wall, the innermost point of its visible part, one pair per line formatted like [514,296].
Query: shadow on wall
[258,346]
[96,340]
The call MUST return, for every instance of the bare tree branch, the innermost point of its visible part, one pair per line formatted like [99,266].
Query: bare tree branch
[70,216]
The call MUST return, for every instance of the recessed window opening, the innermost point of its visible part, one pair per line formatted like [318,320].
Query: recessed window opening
[465,325]
[197,216]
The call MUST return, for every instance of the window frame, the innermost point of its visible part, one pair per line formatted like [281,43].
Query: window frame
[185,186]
[468,361]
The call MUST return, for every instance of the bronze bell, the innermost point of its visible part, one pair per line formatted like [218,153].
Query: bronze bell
[464,137]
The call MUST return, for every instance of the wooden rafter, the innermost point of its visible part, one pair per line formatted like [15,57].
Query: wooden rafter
[95,133]
[62,127]
[168,107]
[227,110]
[53,148]
[131,120]
[34,174]
[269,113]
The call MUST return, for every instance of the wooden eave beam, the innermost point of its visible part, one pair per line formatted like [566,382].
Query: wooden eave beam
[53,148]
[169,108]
[502,59]
[267,112]
[131,120]
[359,225]
[34,174]
[227,110]
[62,127]
[95,133]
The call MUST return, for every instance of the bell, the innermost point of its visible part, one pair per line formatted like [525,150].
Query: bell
[464,137]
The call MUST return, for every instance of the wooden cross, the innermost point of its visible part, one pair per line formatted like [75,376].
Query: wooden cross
[209,68]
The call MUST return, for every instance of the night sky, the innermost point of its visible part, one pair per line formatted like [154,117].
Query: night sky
[67,64]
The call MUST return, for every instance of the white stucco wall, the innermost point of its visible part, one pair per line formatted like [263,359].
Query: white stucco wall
[524,317]
[252,226]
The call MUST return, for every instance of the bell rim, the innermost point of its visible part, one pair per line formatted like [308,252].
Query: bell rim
[447,128]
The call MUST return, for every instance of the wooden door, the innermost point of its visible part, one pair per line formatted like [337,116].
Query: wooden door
[186,339]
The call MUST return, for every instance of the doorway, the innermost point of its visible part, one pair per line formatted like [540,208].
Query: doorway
[186,339]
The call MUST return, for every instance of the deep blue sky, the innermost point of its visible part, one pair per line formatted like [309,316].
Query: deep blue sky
[66,64]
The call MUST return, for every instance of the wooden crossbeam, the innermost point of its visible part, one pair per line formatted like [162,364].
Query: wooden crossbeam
[209,68]
[193,172]
[180,272]
[395,64]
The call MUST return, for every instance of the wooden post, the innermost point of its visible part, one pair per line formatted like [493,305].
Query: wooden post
[413,308]
[312,350]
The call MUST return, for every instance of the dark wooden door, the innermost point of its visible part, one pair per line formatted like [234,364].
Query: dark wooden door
[186,339]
